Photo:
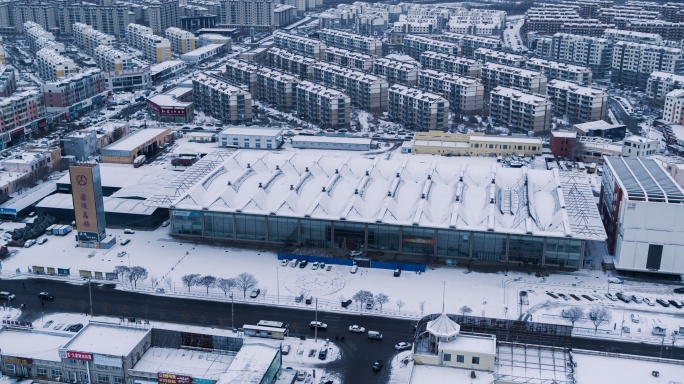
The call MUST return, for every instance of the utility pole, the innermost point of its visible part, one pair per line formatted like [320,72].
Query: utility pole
[278,283]
[90,292]
[316,323]
[232,311]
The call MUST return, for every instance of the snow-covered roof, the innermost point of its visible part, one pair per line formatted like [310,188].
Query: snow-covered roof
[470,343]
[465,193]
[37,345]
[139,182]
[111,204]
[443,326]
[107,339]
[136,139]
[193,363]
[251,363]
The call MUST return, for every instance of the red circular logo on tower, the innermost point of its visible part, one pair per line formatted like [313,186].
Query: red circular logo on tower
[81,180]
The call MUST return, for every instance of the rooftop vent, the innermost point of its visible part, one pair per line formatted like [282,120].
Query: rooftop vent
[337,171]
[291,187]
[277,167]
[249,165]
[356,191]
[261,185]
[306,169]
[323,189]
[397,174]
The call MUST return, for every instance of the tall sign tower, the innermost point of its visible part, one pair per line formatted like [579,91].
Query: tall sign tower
[86,187]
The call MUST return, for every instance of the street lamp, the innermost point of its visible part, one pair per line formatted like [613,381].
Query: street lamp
[90,293]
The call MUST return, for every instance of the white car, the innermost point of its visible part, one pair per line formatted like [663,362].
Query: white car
[402,346]
[356,329]
[611,297]
[314,266]
[355,254]
[649,302]
[318,324]
[124,241]
[284,262]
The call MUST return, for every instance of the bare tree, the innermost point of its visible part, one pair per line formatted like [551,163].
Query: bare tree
[137,273]
[599,315]
[169,281]
[400,303]
[381,298]
[153,280]
[362,296]
[226,285]
[190,280]
[421,306]
[121,270]
[465,310]
[573,314]
[245,281]
[208,281]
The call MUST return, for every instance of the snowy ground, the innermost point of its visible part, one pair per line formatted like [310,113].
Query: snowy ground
[617,370]
[488,294]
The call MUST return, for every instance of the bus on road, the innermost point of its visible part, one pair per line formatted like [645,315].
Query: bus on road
[272,324]
[265,332]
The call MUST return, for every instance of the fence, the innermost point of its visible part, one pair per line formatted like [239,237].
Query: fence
[372,264]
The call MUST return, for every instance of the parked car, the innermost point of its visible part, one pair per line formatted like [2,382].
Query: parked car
[255,293]
[303,264]
[285,349]
[299,298]
[377,365]
[159,290]
[46,296]
[355,254]
[635,318]
[637,299]
[321,265]
[679,290]
[346,303]
[623,297]
[323,354]
[675,303]
[354,268]
[314,266]
[309,300]
[284,262]
[318,324]
[356,329]
[129,231]
[301,375]
[124,241]
[121,254]
[397,272]
[649,302]
[370,304]
[29,243]
[42,240]
[611,297]
[662,302]
[402,346]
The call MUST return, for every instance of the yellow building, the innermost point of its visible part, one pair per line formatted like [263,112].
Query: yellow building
[474,144]
[181,41]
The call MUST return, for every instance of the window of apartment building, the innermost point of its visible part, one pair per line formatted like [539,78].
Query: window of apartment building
[102,379]
[119,380]
[56,373]
[41,371]
[476,360]
[460,358]
[447,357]
[101,367]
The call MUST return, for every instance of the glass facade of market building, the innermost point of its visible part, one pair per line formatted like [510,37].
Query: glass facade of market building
[440,242]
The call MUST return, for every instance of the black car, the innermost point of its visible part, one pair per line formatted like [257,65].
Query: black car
[679,290]
[74,328]
[675,303]
[377,365]
[397,272]
[45,296]
[303,264]
[323,354]
[347,303]
[663,303]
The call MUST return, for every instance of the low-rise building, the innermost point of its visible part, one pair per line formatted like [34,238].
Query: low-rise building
[451,63]
[205,53]
[474,144]
[165,70]
[520,111]
[495,75]
[601,128]
[661,83]
[218,98]
[637,146]
[173,106]
[560,71]
[143,142]
[562,144]
[397,71]
[465,94]
[129,80]
[323,106]
[351,59]
[417,109]
[251,137]
[579,104]
[351,41]
[334,143]
[82,145]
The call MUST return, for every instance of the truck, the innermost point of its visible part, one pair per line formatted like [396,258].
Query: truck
[138,161]
[61,230]
[183,160]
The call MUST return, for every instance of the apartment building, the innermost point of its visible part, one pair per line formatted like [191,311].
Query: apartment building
[52,66]
[13,14]
[299,45]
[351,41]
[154,48]
[112,59]
[248,14]
[586,27]
[451,63]
[121,72]
[8,81]
[580,104]
[633,63]
[614,35]
[37,38]
[470,43]
[181,41]
[276,88]
[323,106]
[591,52]
[520,111]
[465,94]
[87,87]
[298,65]
[107,17]
[487,55]
[20,109]
[396,71]
[223,101]
[668,30]
[554,70]
[674,105]
[2,54]
[550,18]
[90,38]
[417,109]
[243,72]
[351,59]
[162,15]
[284,15]
[367,91]
[415,46]
[495,75]
[661,83]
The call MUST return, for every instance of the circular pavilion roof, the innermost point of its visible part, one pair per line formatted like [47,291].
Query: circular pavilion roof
[443,326]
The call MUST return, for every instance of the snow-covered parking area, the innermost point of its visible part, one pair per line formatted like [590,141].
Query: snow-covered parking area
[410,295]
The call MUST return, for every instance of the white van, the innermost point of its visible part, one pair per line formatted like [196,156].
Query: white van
[374,335]
[293,263]
[7,296]
[354,268]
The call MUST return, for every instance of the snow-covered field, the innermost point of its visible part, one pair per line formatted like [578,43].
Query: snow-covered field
[486,294]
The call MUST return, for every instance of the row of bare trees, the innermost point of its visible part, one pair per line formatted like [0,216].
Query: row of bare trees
[243,282]
[598,315]
[132,274]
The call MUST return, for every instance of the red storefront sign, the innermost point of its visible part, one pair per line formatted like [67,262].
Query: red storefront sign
[79,356]
[172,378]
[172,112]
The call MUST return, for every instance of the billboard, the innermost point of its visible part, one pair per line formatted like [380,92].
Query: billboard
[17,360]
[88,201]
[172,378]
[79,356]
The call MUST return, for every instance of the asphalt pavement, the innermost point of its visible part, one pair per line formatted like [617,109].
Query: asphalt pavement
[358,352]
